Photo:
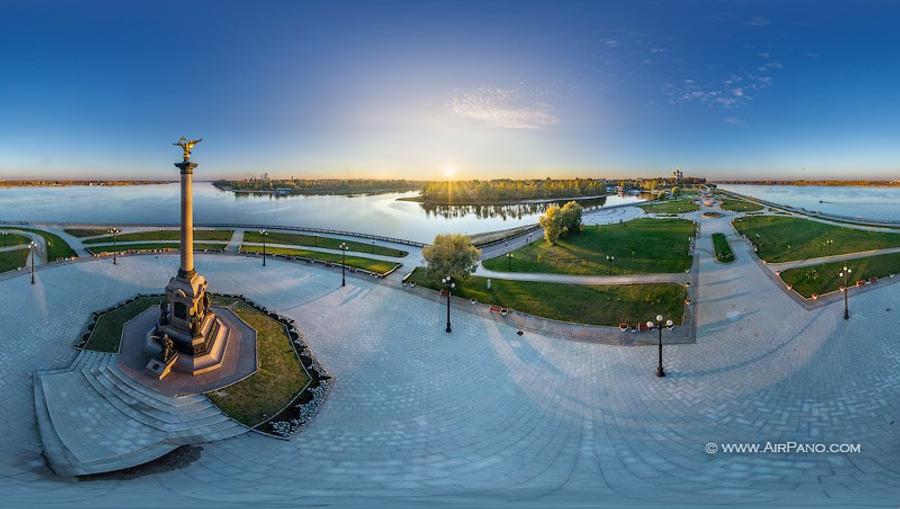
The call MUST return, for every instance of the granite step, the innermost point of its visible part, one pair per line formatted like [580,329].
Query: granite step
[150,393]
[130,460]
[196,406]
[139,410]
[54,450]
[94,418]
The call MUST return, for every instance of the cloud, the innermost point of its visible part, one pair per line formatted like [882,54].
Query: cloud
[735,121]
[732,92]
[763,55]
[610,43]
[502,108]
[757,21]
[659,51]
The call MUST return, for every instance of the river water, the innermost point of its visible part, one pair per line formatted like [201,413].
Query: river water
[854,201]
[380,214]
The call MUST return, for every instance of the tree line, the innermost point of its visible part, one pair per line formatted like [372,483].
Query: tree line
[318,186]
[483,191]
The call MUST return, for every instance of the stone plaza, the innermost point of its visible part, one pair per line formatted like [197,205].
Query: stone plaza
[486,417]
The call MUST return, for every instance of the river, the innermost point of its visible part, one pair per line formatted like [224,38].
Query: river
[380,214]
[855,201]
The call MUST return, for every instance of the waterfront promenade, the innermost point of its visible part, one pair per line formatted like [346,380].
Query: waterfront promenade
[487,417]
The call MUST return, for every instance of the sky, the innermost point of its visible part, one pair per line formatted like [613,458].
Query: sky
[464,89]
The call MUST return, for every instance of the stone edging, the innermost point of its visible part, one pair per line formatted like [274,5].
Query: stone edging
[88,329]
[294,416]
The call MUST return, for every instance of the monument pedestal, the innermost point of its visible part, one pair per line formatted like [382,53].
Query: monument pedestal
[197,334]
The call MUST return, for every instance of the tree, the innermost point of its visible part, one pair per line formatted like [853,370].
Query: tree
[676,191]
[571,217]
[451,254]
[552,222]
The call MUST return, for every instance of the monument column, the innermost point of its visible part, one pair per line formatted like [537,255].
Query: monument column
[186,270]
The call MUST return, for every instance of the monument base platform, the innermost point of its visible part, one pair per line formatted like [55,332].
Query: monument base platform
[233,358]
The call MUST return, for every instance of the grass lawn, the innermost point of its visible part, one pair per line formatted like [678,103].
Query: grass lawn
[56,246]
[587,304]
[372,265]
[294,239]
[85,232]
[740,205]
[108,332]
[280,376]
[678,206]
[723,250]
[823,278]
[639,246]
[13,239]
[164,235]
[785,239]
[160,245]
[12,260]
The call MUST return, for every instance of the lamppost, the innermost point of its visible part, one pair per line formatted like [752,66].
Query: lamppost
[316,240]
[343,247]
[660,372]
[509,257]
[264,234]
[449,285]
[845,275]
[32,246]
[115,233]
[373,246]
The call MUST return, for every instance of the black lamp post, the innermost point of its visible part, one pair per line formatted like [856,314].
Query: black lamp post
[115,234]
[316,240]
[373,246]
[509,257]
[845,275]
[449,285]
[660,372]
[33,247]
[264,234]
[343,247]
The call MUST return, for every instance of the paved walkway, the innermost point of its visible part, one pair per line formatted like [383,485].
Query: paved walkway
[484,417]
[828,259]
[624,279]
[41,250]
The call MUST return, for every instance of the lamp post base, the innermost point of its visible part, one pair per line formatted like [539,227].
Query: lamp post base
[448,329]
[660,372]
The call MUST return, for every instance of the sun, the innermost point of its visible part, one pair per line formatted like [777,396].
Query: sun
[449,171]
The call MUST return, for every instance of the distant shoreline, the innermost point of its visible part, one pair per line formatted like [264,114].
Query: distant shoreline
[810,183]
[73,183]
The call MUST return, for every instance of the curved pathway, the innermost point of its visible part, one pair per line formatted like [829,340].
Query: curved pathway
[624,279]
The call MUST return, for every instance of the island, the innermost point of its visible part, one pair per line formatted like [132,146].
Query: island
[506,191]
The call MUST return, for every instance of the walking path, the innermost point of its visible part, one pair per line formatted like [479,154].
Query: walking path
[832,258]
[624,279]
[41,250]
[234,245]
